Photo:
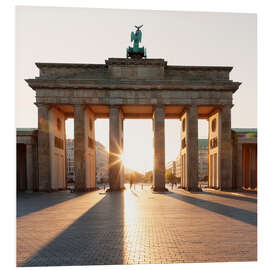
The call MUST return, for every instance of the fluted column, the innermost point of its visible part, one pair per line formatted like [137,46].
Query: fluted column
[225,148]
[79,148]
[159,149]
[115,161]
[65,153]
[44,164]
[122,151]
[192,147]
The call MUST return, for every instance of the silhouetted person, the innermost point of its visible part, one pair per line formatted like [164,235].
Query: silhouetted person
[131,182]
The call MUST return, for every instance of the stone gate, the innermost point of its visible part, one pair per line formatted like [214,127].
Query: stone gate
[128,89]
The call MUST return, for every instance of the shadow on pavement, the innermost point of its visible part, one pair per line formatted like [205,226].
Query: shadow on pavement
[134,193]
[28,203]
[229,196]
[97,237]
[228,211]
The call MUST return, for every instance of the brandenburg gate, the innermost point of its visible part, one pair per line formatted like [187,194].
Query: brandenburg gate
[132,88]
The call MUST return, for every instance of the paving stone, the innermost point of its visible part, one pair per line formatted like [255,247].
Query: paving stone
[135,227]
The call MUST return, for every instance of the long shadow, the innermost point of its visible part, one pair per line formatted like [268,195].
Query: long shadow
[134,193]
[28,203]
[234,197]
[228,211]
[96,238]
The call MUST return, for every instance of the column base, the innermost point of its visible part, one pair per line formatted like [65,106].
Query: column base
[226,189]
[216,188]
[118,189]
[83,189]
[92,189]
[45,190]
[156,189]
[80,189]
[28,191]
[193,189]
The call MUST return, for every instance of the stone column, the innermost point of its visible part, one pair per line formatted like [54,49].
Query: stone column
[225,148]
[90,146]
[44,164]
[122,150]
[159,149]
[29,167]
[115,162]
[192,148]
[79,148]
[65,153]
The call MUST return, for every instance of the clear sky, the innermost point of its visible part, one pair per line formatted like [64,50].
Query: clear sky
[83,35]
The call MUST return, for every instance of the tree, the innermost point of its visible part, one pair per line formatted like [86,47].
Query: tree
[149,176]
[170,177]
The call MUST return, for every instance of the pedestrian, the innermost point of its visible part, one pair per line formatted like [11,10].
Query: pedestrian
[131,181]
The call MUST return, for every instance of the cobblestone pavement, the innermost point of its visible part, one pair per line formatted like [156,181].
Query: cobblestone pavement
[135,227]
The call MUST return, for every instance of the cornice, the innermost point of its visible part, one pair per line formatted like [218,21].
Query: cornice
[133,85]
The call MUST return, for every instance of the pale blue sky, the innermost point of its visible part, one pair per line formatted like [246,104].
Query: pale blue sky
[83,35]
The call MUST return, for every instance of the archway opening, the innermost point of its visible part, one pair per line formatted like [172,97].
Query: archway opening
[102,152]
[70,172]
[203,153]
[172,152]
[138,150]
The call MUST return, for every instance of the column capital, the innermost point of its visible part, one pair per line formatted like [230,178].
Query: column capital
[78,106]
[91,111]
[226,106]
[187,108]
[158,106]
[159,111]
[191,106]
[115,107]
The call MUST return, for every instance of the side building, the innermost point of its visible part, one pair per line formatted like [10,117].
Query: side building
[244,160]
[102,161]
[70,160]
[178,168]
[171,167]
[202,160]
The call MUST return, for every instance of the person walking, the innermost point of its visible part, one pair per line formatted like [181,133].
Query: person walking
[131,181]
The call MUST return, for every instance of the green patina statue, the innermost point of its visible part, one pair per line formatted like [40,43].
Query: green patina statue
[136,52]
